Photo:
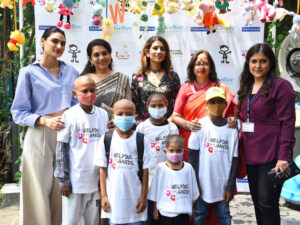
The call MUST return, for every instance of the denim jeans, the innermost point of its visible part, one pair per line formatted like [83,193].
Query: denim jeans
[201,211]
[136,223]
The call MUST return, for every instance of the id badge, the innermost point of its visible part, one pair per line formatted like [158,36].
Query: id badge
[248,127]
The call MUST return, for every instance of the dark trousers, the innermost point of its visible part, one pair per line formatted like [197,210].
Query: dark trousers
[265,194]
[182,219]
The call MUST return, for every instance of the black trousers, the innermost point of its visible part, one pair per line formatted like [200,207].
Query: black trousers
[182,219]
[265,193]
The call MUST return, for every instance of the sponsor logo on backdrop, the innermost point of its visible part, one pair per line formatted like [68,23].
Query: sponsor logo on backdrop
[94,28]
[73,50]
[44,27]
[224,51]
[174,27]
[250,29]
[224,29]
[226,80]
[193,52]
[122,53]
[176,52]
[244,53]
[74,27]
[122,28]
[147,28]
[198,29]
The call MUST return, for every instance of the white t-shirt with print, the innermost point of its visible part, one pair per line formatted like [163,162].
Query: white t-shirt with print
[217,145]
[83,131]
[174,190]
[123,185]
[155,137]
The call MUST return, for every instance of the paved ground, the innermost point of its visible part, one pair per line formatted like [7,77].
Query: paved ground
[241,209]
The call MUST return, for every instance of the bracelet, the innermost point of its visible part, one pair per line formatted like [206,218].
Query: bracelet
[184,124]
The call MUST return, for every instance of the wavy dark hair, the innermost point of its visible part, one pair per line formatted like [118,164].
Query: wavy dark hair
[191,77]
[246,78]
[96,42]
[166,64]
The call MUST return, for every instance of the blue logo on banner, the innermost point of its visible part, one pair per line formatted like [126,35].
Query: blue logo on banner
[198,29]
[94,28]
[122,28]
[44,27]
[250,29]
[147,28]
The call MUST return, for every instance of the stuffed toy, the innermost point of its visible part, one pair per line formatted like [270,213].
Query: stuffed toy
[97,18]
[280,14]
[7,3]
[211,18]
[296,26]
[107,28]
[172,7]
[49,6]
[17,38]
[137,7]
[198,17]
[161,26]
[187,5]
[222,5]
[159,8]
[267,11]
[65,10]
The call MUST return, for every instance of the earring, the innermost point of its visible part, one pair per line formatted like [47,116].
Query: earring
[92,65]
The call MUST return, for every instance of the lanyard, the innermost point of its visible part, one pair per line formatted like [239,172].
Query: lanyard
[249,103]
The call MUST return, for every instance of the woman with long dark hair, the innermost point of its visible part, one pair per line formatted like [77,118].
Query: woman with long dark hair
[111,86]
[155,75]
[267,108]
[43,93]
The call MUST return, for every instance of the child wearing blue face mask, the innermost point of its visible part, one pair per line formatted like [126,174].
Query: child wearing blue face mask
[123,194]
[174,187]
[156,129]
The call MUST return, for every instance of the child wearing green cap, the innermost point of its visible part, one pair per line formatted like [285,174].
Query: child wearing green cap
[213,152]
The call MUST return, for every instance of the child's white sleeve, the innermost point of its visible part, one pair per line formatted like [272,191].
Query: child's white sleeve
[139,128]
[196,193]
[64,134]
[149,161]
[194,141]
[236,144]
[100,154]
[152,195]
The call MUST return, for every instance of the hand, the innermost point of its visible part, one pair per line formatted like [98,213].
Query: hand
[110,125]
[227,196]
[141,204]
[66,191]
[232,122]
[105,204]
[155,213]
[54,123]
[194,125]
[282,166]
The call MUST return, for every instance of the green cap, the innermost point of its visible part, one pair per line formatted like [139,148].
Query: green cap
[215,92]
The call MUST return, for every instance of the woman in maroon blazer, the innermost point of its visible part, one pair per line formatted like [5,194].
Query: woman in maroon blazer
[267,109]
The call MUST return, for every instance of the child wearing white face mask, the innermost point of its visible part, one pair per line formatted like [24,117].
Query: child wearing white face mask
[174,187]
[156,129]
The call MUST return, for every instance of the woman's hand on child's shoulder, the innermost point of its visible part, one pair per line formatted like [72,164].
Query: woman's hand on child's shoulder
[66,191]
[141,204]
[232,122]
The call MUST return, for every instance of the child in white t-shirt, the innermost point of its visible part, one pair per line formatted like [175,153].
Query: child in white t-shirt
[174,186]
[213,152]
[123,194]
[156,129]
[76,143]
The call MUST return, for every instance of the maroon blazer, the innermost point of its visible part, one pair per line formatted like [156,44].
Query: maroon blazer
[274,125]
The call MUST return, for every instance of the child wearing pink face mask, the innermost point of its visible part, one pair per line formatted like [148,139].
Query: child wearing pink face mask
[77,175]
[174,186]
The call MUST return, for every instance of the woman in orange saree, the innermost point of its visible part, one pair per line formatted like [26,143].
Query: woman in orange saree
[190,103]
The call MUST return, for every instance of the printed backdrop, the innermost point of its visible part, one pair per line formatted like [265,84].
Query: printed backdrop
[184,36]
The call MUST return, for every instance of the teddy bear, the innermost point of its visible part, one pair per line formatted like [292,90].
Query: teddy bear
[17,38]
[267,11]
[137,7]
[159,8]
[187,5]
[296,26]
[172,7]
[7,3]
[97,18]
[107,28]
[49,6]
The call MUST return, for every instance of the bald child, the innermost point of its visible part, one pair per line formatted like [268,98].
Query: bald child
[123,192]
[76,144]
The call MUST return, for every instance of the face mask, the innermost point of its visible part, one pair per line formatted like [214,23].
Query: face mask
[124,123]
[157,113]
[86,98]
[174,157]
[216,109]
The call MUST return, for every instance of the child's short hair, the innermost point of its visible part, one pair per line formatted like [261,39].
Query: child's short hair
[156,95]
[174,138]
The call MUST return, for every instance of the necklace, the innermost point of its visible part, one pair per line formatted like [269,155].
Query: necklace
[155,71]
